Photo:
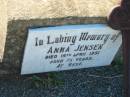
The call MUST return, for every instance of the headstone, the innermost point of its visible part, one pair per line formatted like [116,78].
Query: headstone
[69,47]
[19,15]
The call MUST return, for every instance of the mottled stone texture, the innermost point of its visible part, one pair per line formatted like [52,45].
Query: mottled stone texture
[32,9]
[3,26]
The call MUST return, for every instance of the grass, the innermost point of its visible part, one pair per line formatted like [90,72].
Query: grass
[48,80]
[118,64]
[52,79]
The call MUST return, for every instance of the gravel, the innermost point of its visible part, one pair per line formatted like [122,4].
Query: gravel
[92,82]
